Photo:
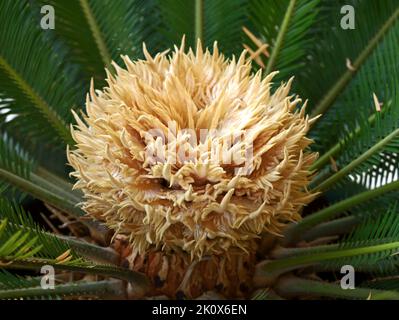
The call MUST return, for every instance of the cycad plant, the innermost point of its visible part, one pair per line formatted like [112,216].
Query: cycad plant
[81,196]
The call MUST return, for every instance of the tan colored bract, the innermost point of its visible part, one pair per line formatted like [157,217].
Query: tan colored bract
[196,206]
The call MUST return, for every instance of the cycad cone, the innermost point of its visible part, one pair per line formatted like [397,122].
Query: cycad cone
[193,225]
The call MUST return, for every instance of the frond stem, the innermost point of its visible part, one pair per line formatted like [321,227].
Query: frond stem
[138,279]
[275,268]
[331,228]
[104,288]
[280,37]
[295,286]
[91,251]
[199,20]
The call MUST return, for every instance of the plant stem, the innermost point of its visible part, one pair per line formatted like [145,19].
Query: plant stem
[91,251]
[294,231]
[277,267]
[138,279]
[105,288]
[335,91]
[199,20]
[49,185]
[335,227]
[280,37]
[294,286]
[283,252]
[59,181]
[41,193]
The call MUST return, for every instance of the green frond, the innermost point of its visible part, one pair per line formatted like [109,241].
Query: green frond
[19,221]
[332,256]
[35,74]
[223,21]
[386,225]
[383,228]
[352,217]
[23,245]
[13,160]
[135,278]
[18,172]
[100,31]
[53,245]
[371,141]
[11,281]
[371,248]
[383,170]
[366,64]
[294,231]
[59,200]
[17,287]
[285,26]
[16,246]
[368,148]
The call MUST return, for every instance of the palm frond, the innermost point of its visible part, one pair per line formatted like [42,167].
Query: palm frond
[100,31]
[329,255]
[294,231]
[366,65]
[33,72]
[25,246]
[352,217]
[19,221]
[368,148]
[17,246]
[13,160]
[383,228]
[17,173]
[53,245]
[371,248]
[17,287]
[223,21]
[285,26]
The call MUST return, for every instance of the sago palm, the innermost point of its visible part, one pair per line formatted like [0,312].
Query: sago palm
[119,212]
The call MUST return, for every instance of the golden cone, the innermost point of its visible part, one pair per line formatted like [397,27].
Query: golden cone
[166,193]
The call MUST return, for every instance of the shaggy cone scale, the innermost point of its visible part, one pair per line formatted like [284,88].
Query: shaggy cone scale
[178,208]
